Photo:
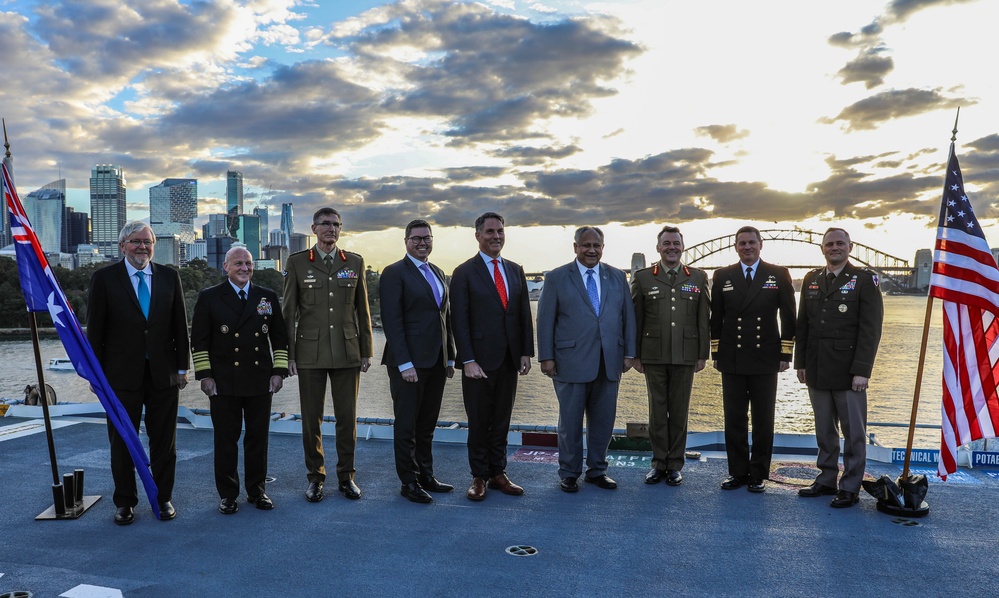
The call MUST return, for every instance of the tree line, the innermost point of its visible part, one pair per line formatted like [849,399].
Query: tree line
[194,277]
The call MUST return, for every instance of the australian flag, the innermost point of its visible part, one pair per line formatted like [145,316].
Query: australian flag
[43,293]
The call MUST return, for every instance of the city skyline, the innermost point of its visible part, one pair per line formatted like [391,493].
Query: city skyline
[625,114]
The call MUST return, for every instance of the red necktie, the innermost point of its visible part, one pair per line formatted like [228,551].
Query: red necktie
[500,285]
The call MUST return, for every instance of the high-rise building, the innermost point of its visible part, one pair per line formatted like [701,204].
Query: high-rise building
[45,209]
[234,192]
[216,250]
[173,206]
[216,226]
[77,229]
[261,212]
[249,234]
[287,222]
[299,242]
[107,208]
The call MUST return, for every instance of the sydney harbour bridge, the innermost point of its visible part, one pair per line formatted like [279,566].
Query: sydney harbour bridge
[895,273]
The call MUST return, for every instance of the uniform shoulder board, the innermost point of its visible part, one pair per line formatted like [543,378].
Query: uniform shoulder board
[816,271]
[299,252]
[352,253]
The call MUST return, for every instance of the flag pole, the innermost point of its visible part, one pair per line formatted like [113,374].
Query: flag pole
[67,493]
[926,332]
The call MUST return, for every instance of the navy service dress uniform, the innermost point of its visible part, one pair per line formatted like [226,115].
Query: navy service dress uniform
[749,348]
[240,344]
[671,317]
[839,329]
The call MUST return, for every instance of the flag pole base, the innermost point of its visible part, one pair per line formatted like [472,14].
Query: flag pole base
[74,512]
[921,511]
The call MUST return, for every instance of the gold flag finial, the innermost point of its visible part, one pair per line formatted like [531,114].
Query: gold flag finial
[6,143]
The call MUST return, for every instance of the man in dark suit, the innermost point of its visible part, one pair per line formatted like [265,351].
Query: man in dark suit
[241,357]
[137,325]
[839,329]
[325,307]
[671,312]
[419,355]
[494,336]
[749,350]
[586,340]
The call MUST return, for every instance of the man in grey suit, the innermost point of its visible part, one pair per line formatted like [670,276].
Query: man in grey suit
[586,340]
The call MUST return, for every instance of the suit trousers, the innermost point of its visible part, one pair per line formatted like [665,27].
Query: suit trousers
[312,392]
[228,415]
[598,400]
[835,410]
[669,402]
[489,406]
[161,427]
[417,406]
[740,395]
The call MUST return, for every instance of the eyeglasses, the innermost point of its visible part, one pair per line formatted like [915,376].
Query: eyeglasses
[328,224]
[140,242]
[428,239]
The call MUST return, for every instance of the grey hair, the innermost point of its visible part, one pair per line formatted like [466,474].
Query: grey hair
[585,229]
[134,226]
[235,248]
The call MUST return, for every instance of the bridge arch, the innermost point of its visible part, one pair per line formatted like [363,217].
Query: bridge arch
[890,267]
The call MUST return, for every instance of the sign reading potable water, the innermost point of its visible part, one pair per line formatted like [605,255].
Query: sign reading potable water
[985,460]
[917,456]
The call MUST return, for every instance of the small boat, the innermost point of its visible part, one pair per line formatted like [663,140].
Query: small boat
[61,364]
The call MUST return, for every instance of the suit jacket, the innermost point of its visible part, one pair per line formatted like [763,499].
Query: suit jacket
[571,333]
[839,327]
[326,310]
[671,318]
[484,332]
[233,340]
[416,330]
[744,334]
[123,338]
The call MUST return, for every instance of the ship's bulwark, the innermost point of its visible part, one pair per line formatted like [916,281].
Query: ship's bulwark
[638,540]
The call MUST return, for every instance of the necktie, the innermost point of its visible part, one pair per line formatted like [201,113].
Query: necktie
[500,285]
[749,275]
[591,290]
[830,277]
[143,293]
[242,295]
[328,261]
[432,281]
[671,276]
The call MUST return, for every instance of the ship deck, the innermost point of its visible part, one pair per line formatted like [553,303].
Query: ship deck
[638,540]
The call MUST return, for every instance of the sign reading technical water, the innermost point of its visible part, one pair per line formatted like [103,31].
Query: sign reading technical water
[984,460]
[925,456]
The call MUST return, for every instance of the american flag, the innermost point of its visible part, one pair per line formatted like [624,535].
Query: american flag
[42,292]
[966,278]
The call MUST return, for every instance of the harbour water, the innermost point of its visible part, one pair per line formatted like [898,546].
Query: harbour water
[890,395]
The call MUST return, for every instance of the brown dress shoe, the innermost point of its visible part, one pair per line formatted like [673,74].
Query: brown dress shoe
[502,483]
[477,491]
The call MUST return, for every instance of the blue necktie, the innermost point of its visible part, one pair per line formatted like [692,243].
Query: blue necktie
[591,290]
[143,293]
[433,282]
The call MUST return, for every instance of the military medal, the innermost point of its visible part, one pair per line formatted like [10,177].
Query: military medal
[842,308]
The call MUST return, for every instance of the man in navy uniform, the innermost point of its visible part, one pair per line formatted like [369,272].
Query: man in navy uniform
[749,350]
[839,328]
[240,350]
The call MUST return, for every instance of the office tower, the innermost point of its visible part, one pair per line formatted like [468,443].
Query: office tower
[234,192]
[197,250]
[77,229]
[216,249]
[249,234]
[261,212]
[173,205]
[45,209]
[216,226]
[287,223]
[299,242]
[107,208]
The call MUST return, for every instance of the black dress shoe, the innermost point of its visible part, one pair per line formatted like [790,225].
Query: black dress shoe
[673,477]
[569,485]
[261,501]
[757,485]
[415,493]
[655,476]
[349,489]
[228,506]
[167,512]
[603,481]
[816,489]
[432,484]
[844,499]
[124,515]
[315,492]
[731,483]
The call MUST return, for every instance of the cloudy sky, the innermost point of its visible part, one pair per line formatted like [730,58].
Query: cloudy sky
[626,114]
